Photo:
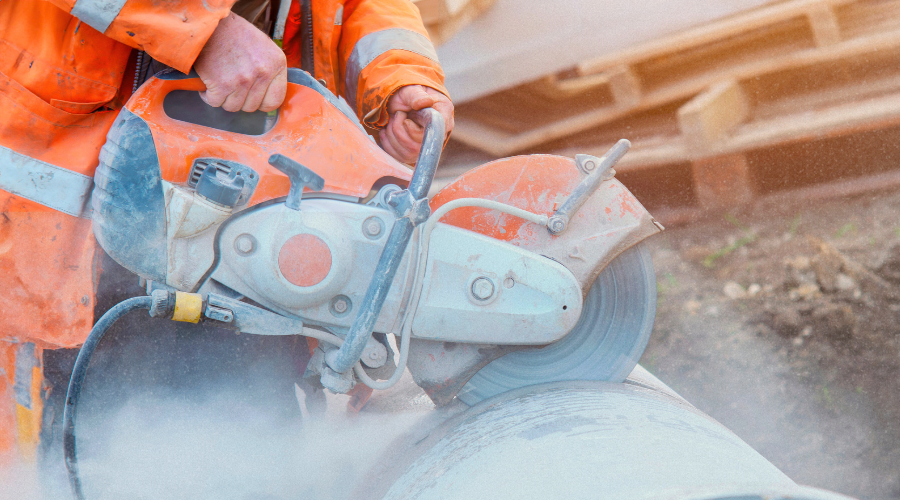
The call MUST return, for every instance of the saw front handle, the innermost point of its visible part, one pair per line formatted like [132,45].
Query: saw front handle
[411,207]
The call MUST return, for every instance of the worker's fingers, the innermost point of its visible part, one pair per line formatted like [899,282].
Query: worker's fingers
[412,134]
[395,133]
[255,95]
[411,98]
[385,141]
[440,102]
[445,108]
[235,100]
[389,143]
[396,138]
[213,96]
[242,68]
[403,134]
[275,92]
[420,98]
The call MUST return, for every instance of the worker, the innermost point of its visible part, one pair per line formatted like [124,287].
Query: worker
[66,69]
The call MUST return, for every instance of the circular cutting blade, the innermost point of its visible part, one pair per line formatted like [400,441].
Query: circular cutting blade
[605,345]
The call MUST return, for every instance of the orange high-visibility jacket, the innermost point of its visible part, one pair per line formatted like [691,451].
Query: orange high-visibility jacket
[66,68]
[64,74]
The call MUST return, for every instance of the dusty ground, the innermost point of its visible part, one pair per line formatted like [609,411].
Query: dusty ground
[784,324]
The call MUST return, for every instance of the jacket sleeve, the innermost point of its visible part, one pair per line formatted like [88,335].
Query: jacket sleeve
[172,32]
[383,47]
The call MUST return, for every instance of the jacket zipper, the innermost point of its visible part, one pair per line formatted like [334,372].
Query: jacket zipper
[307,62]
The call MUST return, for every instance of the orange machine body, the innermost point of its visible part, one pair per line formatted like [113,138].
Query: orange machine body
[308,130]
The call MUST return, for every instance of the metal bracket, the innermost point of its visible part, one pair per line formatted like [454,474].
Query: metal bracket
[404,204]
[250,319]
[344,358]
[219,314]
[599,172]
[589,163]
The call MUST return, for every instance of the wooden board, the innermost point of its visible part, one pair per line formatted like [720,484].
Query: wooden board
[443,18]
[785,44]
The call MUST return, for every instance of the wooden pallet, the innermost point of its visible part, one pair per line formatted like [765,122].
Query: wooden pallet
[794,71]
[443,18]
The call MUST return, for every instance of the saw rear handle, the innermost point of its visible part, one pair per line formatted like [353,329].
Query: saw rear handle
[411,207]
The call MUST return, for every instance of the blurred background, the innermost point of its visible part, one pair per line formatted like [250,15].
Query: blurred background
[767,139]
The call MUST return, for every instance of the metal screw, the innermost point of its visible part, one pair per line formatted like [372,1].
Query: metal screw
[341,306]
[244,243]
[556,224]
[372,227]
[482,288]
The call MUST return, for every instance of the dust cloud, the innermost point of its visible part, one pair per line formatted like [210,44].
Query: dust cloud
[18,481]
[157,448]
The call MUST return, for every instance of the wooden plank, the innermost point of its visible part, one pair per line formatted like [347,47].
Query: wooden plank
[706,34]
[625,86]
[836,121]
[465,12]
[437,11]
[709,117]
[556,88]
[842,119]
[500,143]
[503,144]
[722,181]
[865,17]
[823,20]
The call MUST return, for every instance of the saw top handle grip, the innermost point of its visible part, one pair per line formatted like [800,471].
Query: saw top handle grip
[410,205]
[430,153]
[191,81]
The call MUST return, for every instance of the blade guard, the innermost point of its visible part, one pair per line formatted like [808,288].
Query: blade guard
[610,221]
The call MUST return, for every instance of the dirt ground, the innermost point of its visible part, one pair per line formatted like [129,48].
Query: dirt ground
[783,323]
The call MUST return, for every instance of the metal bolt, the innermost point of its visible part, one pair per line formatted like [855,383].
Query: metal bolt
[372,227]
[556,224]
[340,305]
[244,243]
[482,288]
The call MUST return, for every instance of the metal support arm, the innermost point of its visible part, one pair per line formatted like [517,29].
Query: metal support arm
[343,359]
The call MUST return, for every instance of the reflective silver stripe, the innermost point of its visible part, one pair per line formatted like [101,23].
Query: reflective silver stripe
[98,14]
[25,363]
[49,185]
[339,16]
[369,47]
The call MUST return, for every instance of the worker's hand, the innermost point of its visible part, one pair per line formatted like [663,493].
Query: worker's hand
[402,136]
[242,68]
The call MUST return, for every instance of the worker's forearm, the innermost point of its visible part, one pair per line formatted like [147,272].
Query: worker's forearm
[385,46]
[172,32]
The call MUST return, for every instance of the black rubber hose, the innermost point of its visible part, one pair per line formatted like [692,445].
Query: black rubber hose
[77,381]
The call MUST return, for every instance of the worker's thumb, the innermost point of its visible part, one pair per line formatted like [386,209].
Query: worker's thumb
[419,99]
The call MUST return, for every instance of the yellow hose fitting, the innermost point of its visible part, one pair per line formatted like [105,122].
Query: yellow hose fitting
[188,307]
